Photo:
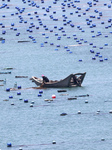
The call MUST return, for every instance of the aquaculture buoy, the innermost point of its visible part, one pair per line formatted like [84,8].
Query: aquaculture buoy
[105,4]
[102,22]
[106,44]
[92,31]
[51,30]
[96,55]
[53,142]
[17,34]
[66,47]
[80,60]
[79,112]
[86,101]
[18,93]
[98,110]
[10,96]
[59,38]
[3,32]
[109,6]
[8,89]
[40,91]
[110,111]
[102,139]
[3,41]
[19,87]
[26,101]
[97,52]
[3,16]
[9,145]
[92,51]
[56,49]
[58,46]
[53,96]
[100,56]
[39,95]
[31,105]
[42,45]
[32,102]
[37,27]
[12,103]
[68,37]
[12,24]
[63,114]
[106,27]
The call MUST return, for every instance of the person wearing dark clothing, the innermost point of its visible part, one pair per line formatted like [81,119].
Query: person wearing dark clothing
[77,81]
[45,79]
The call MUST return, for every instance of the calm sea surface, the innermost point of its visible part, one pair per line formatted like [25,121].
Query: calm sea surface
[63,37]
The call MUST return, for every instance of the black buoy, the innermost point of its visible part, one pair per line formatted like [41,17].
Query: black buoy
[63,114]
[53,142]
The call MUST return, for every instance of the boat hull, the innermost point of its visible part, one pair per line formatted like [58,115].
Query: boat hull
[71,81]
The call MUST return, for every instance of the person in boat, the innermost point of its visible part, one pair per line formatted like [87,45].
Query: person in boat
[76,81]
[79,82]
[45,79]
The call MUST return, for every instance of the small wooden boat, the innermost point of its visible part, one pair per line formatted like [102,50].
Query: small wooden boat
[23,41]
[21,76]
[72,80]
[62,91]
[8,68]
[5,72]
[72,98]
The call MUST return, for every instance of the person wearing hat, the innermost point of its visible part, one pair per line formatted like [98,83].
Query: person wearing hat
[45,79]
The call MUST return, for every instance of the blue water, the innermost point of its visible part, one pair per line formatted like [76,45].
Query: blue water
[34,128]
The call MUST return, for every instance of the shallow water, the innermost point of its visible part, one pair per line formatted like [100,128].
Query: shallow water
[36,127]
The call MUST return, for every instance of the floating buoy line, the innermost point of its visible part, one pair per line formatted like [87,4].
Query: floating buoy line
[51,143]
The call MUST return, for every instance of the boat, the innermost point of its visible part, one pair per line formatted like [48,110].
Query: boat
[73,80]
[23,41]
[9,72]
[21,76]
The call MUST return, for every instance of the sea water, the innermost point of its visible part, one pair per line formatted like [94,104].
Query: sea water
[35,128]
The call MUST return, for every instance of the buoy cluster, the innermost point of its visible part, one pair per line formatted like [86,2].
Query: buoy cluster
[25,100]
[34,22]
